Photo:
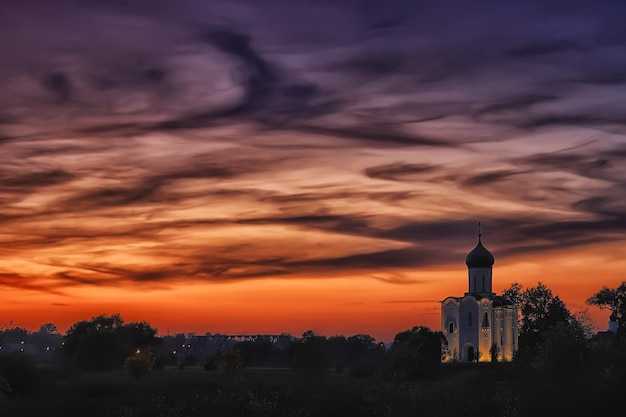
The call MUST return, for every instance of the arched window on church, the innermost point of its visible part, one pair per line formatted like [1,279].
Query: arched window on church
[469,318]
[451,327]
[485,320]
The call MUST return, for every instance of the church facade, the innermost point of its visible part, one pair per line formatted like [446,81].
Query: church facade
[480,323]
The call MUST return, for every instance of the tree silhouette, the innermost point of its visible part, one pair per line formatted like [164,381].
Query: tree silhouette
[547,327]
[310,354]
[48,328]
[417,352]
[104,342]
[613,299]
[493,352]
[539,310]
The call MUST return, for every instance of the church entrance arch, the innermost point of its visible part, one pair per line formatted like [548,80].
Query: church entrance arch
[470,354]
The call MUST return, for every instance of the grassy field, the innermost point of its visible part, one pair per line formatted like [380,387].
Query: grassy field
[471,390]
[189,392]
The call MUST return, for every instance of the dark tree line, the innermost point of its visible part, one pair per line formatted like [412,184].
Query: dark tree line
[551,338]
[314,354]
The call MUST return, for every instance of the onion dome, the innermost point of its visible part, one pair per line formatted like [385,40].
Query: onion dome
[479,257]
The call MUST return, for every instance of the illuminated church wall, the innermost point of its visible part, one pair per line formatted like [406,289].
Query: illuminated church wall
[475,321]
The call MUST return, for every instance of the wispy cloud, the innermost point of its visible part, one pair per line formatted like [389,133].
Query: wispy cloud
[186,143]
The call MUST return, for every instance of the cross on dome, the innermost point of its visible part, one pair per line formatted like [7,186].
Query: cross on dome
[479,257]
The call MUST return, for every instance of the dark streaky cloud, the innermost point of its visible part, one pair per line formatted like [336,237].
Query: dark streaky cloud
[239,140]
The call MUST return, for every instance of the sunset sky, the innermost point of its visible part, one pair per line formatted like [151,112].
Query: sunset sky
[269,166]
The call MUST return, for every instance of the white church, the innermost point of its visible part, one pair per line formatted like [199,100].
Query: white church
[480,322]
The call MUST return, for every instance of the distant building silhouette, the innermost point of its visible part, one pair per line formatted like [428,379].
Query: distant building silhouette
[613,323]
[36,345]
[207,346]
[480,322]
[21,347]
[603,338]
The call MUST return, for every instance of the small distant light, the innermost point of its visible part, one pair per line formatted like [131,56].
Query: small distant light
[138,351]
[47,347]
[21,349]
[21,342]
[173,352]
[62,343]
[188,346]
[183,346]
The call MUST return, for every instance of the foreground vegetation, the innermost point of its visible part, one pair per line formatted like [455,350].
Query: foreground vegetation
[484,389]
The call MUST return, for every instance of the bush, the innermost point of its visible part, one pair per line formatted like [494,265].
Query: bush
[159,362]
[363,369]
[210,364]
[230,360]
[415,353]
[310,356]
[140,364]
[5,388]
[98,352]
[19,373]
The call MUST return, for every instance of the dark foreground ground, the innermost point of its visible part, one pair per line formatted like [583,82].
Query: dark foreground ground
[474,390]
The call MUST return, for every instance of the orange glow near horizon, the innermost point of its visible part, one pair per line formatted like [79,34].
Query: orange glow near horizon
[332,306]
